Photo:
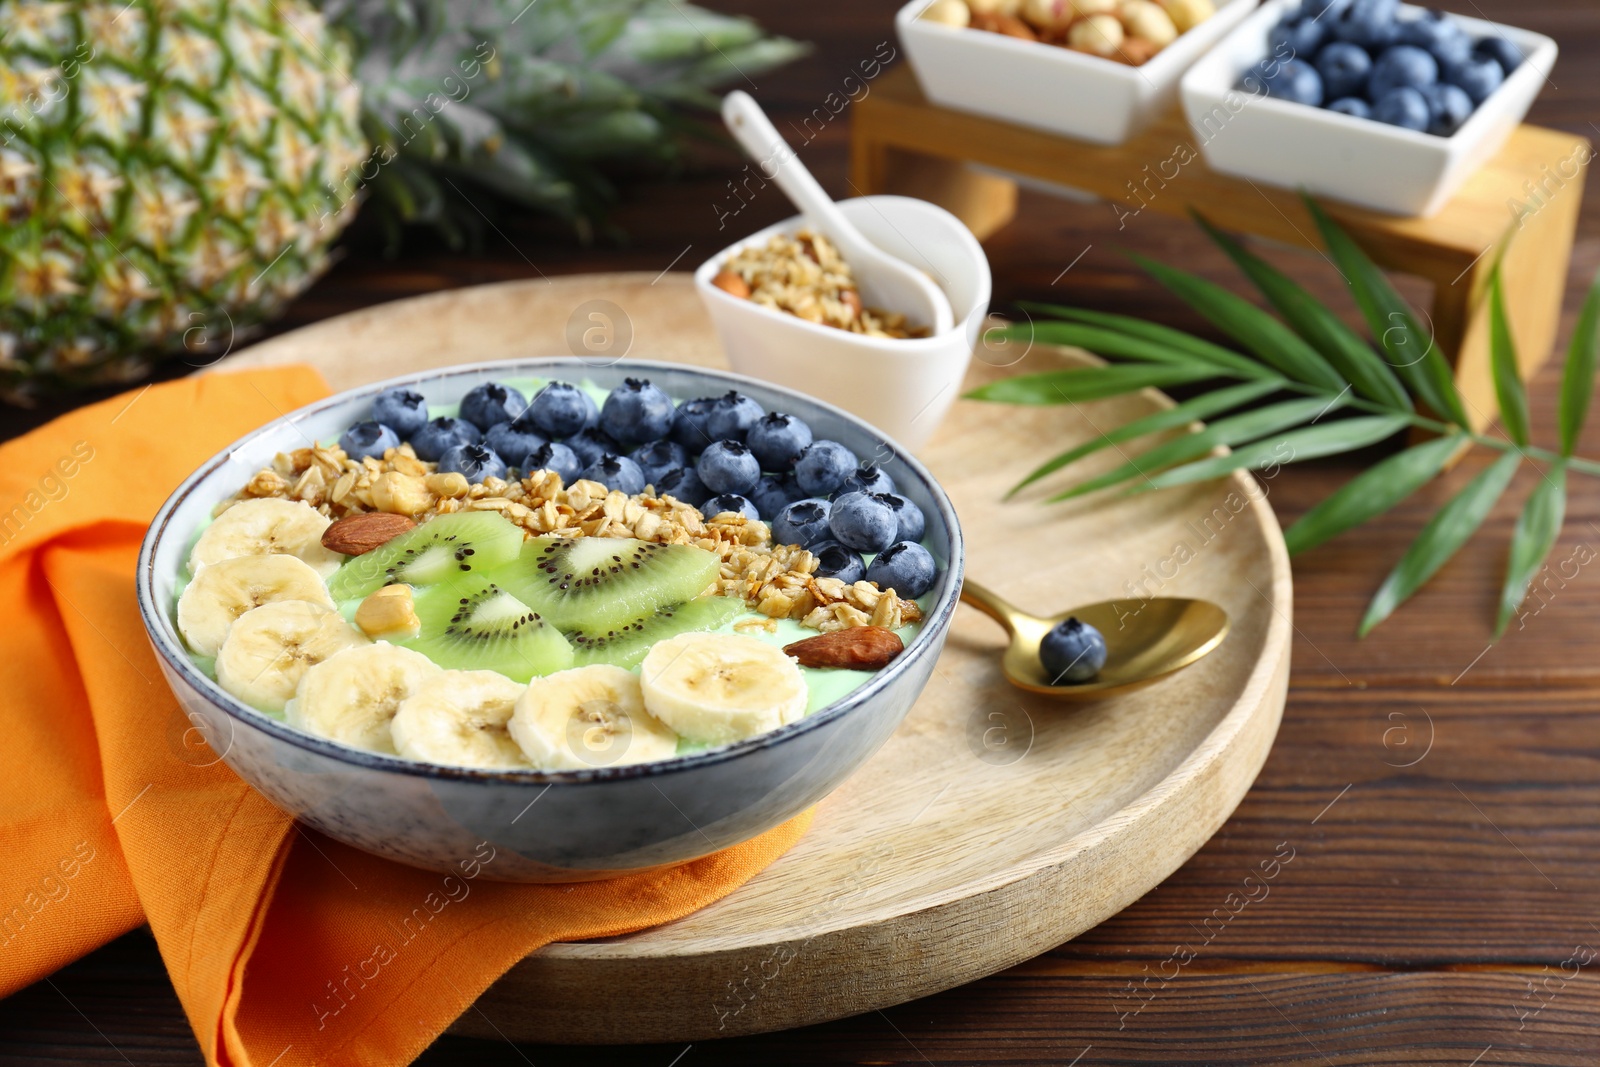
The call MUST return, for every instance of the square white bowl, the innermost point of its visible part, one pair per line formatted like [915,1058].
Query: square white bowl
[1047,87]
[901,386]
[1359,161]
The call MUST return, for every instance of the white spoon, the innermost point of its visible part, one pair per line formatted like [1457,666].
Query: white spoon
[885,282]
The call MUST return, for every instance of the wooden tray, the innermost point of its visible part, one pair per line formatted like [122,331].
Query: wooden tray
[994,825]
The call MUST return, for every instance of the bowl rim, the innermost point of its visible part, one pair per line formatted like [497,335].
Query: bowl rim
[1172,55]
[1202,80]
[913,347]
[158,626]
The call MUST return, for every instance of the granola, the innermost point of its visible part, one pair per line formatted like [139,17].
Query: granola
[778,581]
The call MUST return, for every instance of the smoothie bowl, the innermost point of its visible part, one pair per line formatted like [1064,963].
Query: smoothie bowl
[586,620]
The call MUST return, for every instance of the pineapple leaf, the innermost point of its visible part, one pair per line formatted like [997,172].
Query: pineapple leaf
[1450,528]
[1201,407]
[1508,388]
[1372,492]
[1538,527]
[1577,378]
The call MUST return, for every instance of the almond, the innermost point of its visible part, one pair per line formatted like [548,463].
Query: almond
[356,534]
[730,282]
[861,648]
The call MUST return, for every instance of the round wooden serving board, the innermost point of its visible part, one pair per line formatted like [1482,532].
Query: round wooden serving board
[994,825]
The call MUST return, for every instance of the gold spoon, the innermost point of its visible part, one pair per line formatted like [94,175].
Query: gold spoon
[1145,640]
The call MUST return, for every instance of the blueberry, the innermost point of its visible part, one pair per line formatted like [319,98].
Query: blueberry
[636,412]
[400,409]
[1297,82]
[823,467]
[368,439]
[492,403]
[1479,77]
[590,444]
[1345,68]
[689,429]
[777,440]
[684,484]
[553,456]
[1073,652]
[616,472]
[1439,33]
[910,523]
[836,561]
[657,458]
[1352,105]
[1449,107]
[773,493]
[1369,23]
[1297,37]
[730,502]
[1402,67]
[731,416]
[805,522]
[560,409]
[867,478]
[906,567]
[1316,9]
[1403,107]
[863,522]
[728,467]
[1499,49]
[475,462]
[438,436]
[510,443]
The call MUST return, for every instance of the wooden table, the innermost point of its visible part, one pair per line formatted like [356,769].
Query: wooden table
[1439,793]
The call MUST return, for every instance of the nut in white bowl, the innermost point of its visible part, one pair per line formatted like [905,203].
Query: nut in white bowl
[902,386]
[1359,161]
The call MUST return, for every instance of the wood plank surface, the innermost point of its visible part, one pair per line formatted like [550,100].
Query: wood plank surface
[1410,924]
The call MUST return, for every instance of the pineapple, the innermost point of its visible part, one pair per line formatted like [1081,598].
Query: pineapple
[170,177]
[173,172]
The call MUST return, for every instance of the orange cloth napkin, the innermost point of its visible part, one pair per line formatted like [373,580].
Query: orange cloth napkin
[281,943]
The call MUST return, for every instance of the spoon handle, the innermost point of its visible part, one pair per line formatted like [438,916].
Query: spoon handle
[990,603]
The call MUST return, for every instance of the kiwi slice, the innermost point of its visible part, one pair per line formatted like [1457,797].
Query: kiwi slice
[626,645]
[445,546]
[472,624]
[600,583]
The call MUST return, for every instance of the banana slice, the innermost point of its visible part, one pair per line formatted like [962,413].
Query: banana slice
[717,688]
[588,717]
[265,526]
[224,590]
[459,718]
[353,696]
[268,649]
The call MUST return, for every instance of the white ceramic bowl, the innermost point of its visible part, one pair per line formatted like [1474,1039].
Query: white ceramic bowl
[1055,89]
[1359,161]
[902,387]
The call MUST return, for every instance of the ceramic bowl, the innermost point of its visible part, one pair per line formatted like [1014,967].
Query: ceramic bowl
[1047,87]
[544,826]
[903,387]
[1359,161]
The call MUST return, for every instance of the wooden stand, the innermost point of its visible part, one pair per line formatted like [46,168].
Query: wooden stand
[1527,198]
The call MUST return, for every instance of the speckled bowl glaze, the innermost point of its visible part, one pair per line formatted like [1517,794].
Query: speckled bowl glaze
[554,826]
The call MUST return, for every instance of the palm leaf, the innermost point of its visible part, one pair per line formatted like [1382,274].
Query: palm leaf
[1246,426]
[1271,341]
[1508,390]
[1201,407]
[1537,529]
[1412,353]
[1157,333]
[1340,346]
[1111,343]
[1440,539]
[1371,493]
[1082,384]
[1312,442]
[1577,379]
